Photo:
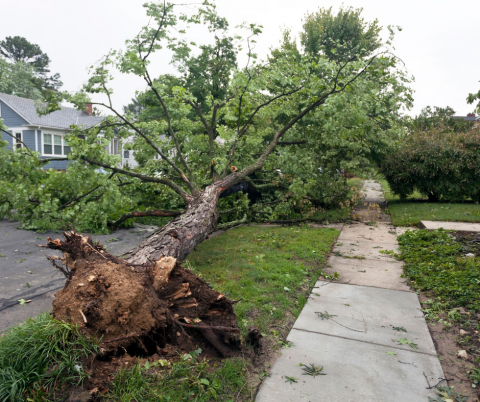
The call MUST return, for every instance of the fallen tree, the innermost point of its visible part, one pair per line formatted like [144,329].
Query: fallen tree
[194,142]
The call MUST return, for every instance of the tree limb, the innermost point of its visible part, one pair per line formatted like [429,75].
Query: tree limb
[78,198]
[175,187]
[15,138]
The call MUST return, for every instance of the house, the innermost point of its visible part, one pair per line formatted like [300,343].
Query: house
[468,117]
[45,134]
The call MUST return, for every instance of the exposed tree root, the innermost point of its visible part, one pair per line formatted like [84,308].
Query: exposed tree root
[123,303]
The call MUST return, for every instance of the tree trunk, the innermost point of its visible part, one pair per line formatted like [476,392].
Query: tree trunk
[182,234]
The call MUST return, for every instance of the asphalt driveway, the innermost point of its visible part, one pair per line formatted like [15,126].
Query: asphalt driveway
[26,274]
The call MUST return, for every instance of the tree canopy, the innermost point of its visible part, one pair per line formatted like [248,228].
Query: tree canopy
[443,117]
[282,127]
[24,69]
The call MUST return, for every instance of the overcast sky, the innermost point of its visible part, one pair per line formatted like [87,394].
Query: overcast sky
[438,43]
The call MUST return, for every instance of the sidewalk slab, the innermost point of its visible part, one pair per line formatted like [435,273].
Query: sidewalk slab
[458,226]
[374,273]
[365,248]
[355,371]
[370,315]
[379,233]
[352,340]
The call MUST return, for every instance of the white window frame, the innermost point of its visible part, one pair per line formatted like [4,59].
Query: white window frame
[16,144]
[53,154]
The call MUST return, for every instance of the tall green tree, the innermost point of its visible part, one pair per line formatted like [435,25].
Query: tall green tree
[28,57]
[18,79]
[438,116]
[341,36]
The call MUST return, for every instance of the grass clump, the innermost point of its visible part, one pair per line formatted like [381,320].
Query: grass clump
[416,208]
[40,355]
[271,270]
[435,262]
[187,380]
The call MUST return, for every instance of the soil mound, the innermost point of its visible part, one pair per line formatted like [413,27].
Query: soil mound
[124,304]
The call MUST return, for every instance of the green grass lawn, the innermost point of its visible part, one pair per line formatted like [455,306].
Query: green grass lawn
[415,208]
[269,270]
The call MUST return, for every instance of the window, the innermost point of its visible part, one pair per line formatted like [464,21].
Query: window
[18,140]
[54,144]
[47,144]
[57,145]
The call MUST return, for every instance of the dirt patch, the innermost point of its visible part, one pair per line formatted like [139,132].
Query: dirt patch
[455,368]
[470,241]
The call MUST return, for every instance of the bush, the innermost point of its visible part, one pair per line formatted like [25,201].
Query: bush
[438,163]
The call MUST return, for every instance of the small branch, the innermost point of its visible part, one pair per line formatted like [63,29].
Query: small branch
[229,225]
[67,204]
[15,138]
[344,326]
[180,191]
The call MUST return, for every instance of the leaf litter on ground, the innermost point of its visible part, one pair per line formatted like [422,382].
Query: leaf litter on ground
[291,380]
[405,341]
[312,369]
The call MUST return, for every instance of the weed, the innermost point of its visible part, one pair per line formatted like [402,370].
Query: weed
[447,394]
[432,263]
[474,377]
[291,380]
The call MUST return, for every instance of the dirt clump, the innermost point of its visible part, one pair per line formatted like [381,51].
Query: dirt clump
[138,306]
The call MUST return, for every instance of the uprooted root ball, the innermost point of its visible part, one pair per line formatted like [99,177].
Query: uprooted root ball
[122,303]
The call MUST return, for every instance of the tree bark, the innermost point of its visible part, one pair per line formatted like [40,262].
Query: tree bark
[182,234]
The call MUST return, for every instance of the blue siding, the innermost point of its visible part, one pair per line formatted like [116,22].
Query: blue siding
[39,141]
[62,165]
[29,139]
[7,138]
[10,117]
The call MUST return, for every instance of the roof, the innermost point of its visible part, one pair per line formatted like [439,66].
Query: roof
[468,118]
[62,118]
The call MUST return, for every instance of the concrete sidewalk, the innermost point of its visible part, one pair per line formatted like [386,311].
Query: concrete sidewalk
[360,340]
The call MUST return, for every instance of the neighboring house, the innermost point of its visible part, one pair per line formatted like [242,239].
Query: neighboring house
[45,133]
[468,117]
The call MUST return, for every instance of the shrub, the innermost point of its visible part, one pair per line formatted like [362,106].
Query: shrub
[437,162]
